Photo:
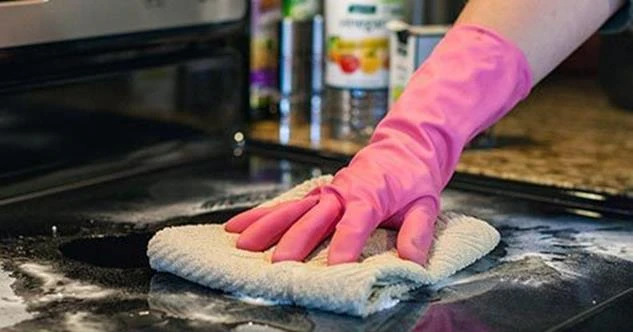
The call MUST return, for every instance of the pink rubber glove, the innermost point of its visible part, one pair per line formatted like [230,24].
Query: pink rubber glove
[471,80]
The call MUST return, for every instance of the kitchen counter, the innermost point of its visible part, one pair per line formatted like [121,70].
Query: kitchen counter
[75,261]
[566,135]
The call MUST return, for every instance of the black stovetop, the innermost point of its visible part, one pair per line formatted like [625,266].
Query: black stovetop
[74,258]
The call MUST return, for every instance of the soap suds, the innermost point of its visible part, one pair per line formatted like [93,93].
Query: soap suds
[81,322]
[155,213]
[213,197]
[215,309]
[536,251]
[253,327]
[236,195]
[190,306]
[258,301]
[553,240]
[387,304]
[13,309]
[617,243]
[531,271]
[181,299]
[57,287]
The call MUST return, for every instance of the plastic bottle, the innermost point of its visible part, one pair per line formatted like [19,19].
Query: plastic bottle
[266,15]
[300,70]
[357,64]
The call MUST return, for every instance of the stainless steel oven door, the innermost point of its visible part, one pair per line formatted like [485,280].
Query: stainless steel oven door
[31,22]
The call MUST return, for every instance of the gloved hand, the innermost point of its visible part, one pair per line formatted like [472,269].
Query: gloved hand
[470,81]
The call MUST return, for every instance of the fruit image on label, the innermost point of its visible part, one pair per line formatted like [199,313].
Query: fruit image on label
[370,62]
[349,63]
[333,49]
[358,42]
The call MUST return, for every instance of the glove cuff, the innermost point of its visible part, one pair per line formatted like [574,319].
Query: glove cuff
[509,48]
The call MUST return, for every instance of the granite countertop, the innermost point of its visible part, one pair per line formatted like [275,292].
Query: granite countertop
[565,135]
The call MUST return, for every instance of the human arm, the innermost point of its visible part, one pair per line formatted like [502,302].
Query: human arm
[546,31]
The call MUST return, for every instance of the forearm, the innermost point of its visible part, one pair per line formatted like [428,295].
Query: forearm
[547,31]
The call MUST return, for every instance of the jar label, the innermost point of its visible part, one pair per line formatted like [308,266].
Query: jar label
[358,42]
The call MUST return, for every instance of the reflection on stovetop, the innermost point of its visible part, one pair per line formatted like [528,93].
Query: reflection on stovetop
[47,147]
[551,269]
[37,138]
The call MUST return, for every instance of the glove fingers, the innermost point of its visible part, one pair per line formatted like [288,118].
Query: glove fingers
[417,232]
[351,234]
[242,221]
[265,232]
[305,235]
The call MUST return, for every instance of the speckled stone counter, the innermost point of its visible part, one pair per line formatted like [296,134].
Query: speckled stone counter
[566,135]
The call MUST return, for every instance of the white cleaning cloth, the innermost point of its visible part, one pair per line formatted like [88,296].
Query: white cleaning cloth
[206,254]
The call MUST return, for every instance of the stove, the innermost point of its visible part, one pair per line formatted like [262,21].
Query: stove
[75,260]
[119,120]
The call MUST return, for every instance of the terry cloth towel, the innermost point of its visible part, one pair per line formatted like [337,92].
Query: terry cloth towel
[206,254]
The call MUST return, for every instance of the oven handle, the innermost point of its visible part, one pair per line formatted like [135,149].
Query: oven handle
[13,3]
